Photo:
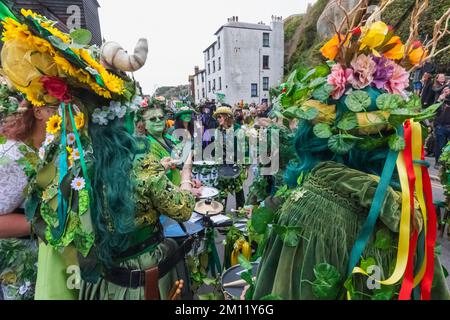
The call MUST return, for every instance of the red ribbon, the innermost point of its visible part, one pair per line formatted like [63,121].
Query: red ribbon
[408,278]
[431,234]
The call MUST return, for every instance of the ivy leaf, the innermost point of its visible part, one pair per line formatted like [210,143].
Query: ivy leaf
[383,239]
[308,75]
[327,281]
[323,92]
[357,101]
[342,143]
[58,43]
[289,235]
[317,82]
[309,114]
[286,101]
[300,93]
[348,121]
[81,36]
[23,149]
[209,282]
[261,217]
[322,130]
[322,70]
[244,262]
[384,293]
[291,112]
[247,277]
[414,102]
[396,143]
[366,263]
[3,139]
[388,101]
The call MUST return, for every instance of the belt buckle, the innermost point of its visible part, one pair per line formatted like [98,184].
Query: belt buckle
[131,277]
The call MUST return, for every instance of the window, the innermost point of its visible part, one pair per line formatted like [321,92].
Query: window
[220,83]
[218,42]
[203,92]
[207,54]
[220,63]
[266,101]
[197,79]
[254,90]
[209,86]
[209,69]
[203,77]
[213,51]
[265,62]
[214,66]
[214,85]
[198,93]
[265,83]
[266,39]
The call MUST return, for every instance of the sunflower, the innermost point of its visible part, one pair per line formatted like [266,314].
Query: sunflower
[79,120]
[54,124]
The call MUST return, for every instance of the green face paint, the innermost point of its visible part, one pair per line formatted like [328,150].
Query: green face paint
[186,117]
[154,122]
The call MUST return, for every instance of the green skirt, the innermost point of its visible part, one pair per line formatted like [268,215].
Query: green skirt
[105,290]
[328,212]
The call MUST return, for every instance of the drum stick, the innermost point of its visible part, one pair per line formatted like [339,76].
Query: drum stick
[177,292]
[173,289]
[237,283]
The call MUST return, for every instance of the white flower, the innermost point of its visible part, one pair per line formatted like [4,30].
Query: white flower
[117,109]
[78,184]
[49,138]
[24,288]
[70,139]
[100,116]
[75,154]
[42,153]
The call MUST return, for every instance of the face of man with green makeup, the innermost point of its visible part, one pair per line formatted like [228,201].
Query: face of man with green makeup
[154,122]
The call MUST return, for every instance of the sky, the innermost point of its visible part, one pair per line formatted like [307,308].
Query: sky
[179,30]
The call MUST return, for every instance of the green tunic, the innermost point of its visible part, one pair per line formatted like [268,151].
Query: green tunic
[328,212]
[160,152]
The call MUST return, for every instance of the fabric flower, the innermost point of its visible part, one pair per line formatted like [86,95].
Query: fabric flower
[398,82]
[70,139]
[363,70]
[75,154]
[374,35]
[338,78]
[49,138]
[398,49]
[56,88]
[79,120]
[54,124]
[331,48]
[417,53]
[78,184]
[383,72]
[100,117]
[117,110]
[42,153]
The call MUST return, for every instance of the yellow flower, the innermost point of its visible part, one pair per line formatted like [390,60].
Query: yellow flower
[417,53]
[79,120]
[397,52]
[331,48]
[54,124]
[374,36]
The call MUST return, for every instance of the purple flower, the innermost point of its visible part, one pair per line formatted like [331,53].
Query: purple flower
[383,72]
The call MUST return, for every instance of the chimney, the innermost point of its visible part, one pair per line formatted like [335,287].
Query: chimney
[196,69]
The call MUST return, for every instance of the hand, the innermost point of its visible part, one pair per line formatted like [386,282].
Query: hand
[166,163]
[197,192]
[197,183]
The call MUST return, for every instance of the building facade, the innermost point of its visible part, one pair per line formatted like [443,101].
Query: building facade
[245,61]
[68,13]
[197,83]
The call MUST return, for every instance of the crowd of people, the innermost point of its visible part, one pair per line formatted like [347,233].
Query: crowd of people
[91,171]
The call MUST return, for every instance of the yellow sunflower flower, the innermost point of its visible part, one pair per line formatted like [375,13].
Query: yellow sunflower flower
[79,120]
[54,124]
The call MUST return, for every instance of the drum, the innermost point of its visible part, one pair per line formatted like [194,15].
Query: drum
[231,282]
[172,229]
[206,172]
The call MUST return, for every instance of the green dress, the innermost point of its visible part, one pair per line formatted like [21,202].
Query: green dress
[155,195]
[160,151]
[325,216]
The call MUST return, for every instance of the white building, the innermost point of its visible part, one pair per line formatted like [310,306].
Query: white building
[198,85]
[245,61]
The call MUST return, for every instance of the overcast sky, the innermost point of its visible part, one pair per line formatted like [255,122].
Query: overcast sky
[179,30]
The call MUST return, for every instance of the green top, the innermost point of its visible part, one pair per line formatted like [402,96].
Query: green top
[160,151]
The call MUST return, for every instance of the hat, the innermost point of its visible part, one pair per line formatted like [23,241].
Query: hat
[223,110]
[183,110]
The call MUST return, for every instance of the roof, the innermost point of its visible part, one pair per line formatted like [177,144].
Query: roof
[244,25]
[210,46]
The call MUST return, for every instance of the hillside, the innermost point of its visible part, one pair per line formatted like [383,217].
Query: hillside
[176,92]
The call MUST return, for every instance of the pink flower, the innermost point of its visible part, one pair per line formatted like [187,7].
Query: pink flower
[338,78]
[399,81]
[363,70]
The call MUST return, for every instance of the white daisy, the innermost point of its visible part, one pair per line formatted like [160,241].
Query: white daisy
[78,184]
[75,154]
[49,138]
[70,139]
[42,153]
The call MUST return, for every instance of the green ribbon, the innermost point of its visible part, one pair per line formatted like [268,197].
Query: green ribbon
[5,12]
[213,257]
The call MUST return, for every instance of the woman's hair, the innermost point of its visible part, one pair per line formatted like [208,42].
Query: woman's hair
[179,125]
[20,125]
[113,208]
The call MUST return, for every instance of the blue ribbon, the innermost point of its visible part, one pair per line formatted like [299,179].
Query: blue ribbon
[374,212]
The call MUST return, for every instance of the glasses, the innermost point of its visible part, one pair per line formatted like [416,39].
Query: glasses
[153,119]
[220,116]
